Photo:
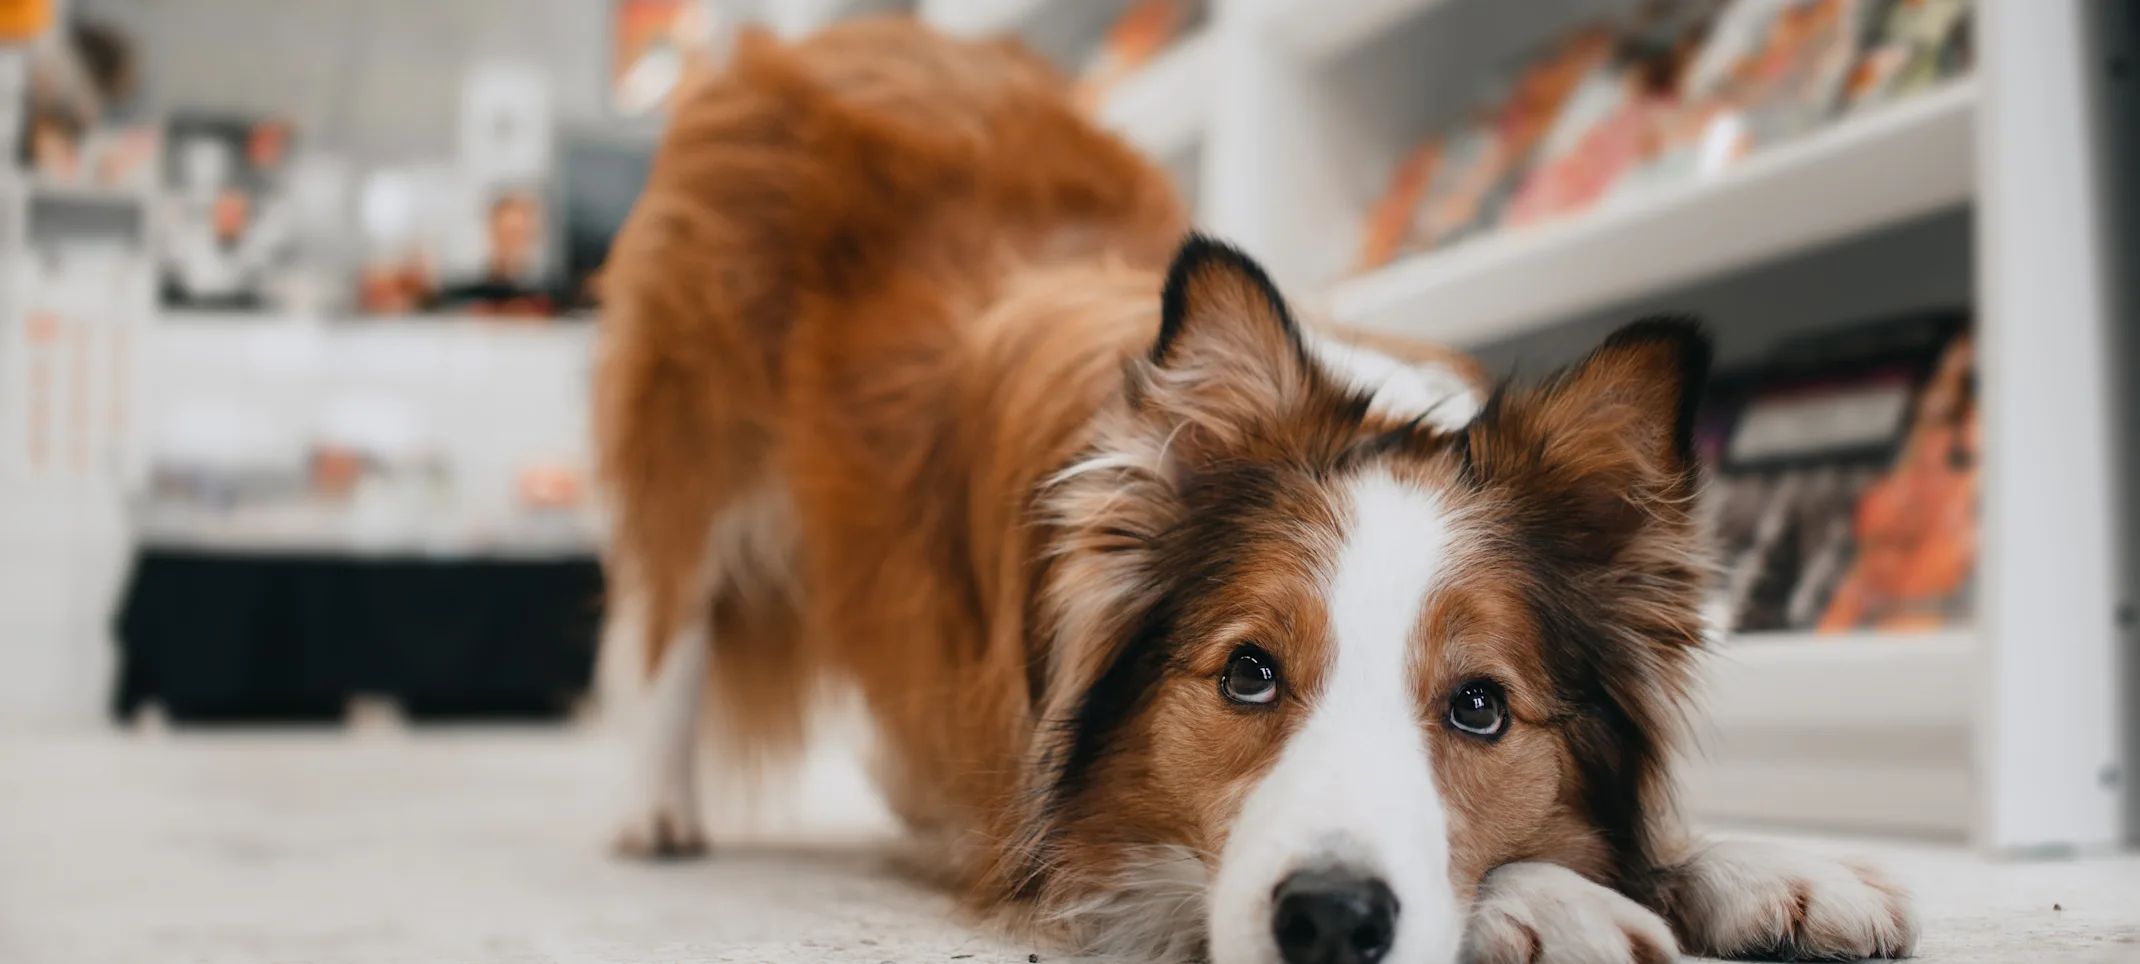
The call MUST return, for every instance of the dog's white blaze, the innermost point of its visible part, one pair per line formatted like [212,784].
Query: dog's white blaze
[1354,784]
[1442,396]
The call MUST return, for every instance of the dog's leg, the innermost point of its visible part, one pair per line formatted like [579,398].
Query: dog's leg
[1764,902]
[663,821]
[1539,913]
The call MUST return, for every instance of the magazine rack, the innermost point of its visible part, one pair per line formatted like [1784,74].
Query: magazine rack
[1993,192]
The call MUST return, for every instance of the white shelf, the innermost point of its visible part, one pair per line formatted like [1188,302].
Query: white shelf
[305,528]
[1320,29]
[800,18]
[1908,159]
[1880,679]
[1860,732]
[1878,797]
[1162,108]
[979,18]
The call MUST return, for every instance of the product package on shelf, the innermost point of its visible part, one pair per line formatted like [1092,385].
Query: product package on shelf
[1457,182]
[72,331]
[1842,471]
[1772,69]
[1681,90]
[1138,36]
[23,20]
[1916,527]
[1909,45]
[1389,223]
[1476,183]
[1611,123]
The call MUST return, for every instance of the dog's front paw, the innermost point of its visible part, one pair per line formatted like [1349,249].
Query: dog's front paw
[1762,902]
[1540,913]
[662,833]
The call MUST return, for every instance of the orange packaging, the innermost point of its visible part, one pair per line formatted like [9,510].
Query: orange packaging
[1498,152]
[1137,36]
[550,486]
[1390,222]
[22,20]
[1916,528]
[1611,115]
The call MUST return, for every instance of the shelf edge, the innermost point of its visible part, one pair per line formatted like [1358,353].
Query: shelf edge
[1514,282]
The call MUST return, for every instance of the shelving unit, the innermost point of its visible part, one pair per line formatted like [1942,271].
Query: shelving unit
[69,351]
[1292,113]
[1940,735]
[1882,168]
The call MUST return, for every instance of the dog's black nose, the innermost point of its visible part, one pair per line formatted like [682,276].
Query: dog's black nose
[1333,917]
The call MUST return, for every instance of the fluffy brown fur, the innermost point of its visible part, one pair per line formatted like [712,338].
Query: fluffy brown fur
[845,248]
[898,391]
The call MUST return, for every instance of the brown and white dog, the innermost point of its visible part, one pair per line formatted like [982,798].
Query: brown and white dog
[1189,630]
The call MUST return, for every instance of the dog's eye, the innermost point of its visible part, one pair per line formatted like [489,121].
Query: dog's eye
[1480,709]
[1251,677]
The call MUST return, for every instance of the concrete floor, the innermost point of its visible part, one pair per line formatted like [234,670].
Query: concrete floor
[485,847]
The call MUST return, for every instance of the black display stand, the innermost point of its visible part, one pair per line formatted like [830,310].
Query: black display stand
[222,637]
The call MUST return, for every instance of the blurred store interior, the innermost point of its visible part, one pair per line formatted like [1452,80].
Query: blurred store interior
[298,300]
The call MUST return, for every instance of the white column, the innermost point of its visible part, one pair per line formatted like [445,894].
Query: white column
[2047,745]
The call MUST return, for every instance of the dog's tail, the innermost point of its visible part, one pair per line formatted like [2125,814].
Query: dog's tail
[812,183]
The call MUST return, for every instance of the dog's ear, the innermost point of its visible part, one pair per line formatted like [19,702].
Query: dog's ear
[1605,448]
[1228,349]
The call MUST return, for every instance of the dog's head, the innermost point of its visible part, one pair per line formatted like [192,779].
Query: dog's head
[1313,667]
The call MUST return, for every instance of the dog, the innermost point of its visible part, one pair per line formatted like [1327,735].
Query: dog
[1188,629]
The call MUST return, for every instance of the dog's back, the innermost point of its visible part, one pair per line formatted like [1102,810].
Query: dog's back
[826,231]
